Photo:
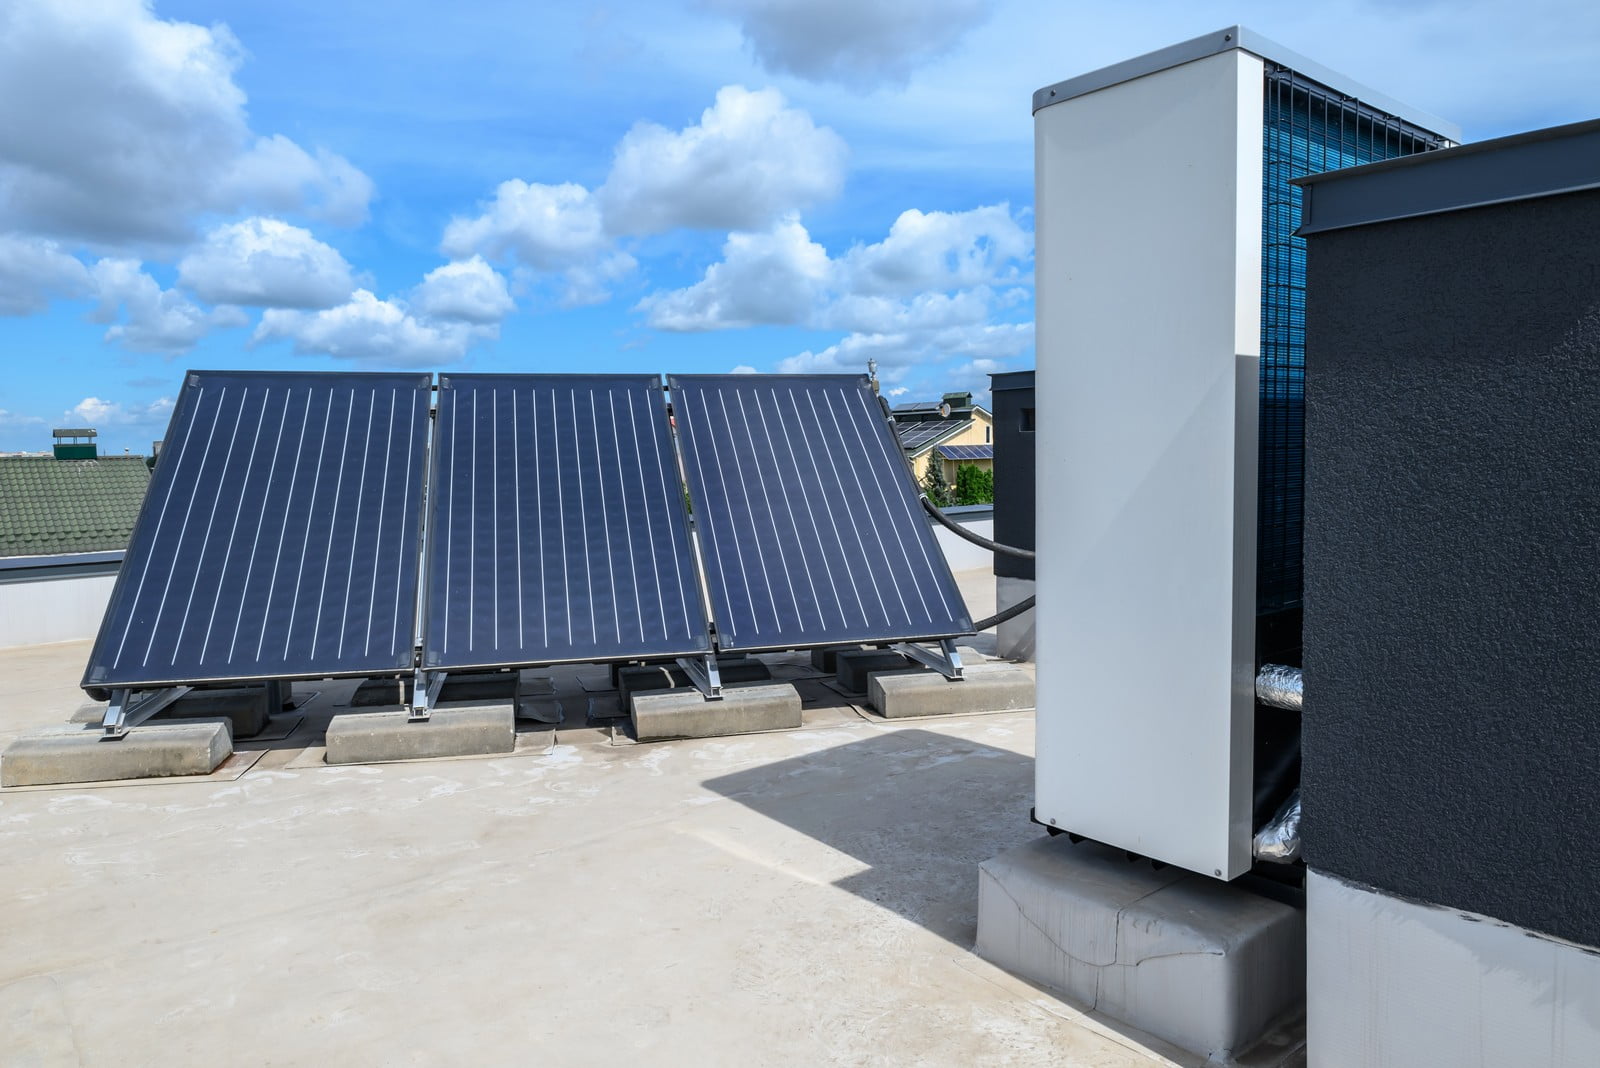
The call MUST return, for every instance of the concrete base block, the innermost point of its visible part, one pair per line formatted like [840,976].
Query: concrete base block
[1203,964]
[638,677]
[852,667]
[89,712]
[378,737]
[982,688]
[72,754]
[246,708]
[827,660]
[742,710]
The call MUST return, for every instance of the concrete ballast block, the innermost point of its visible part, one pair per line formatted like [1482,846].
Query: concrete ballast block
[982,688]
[246,708]
[742,710]
[826,659]
[637,677]
[378,737]
[72,754]
[854,666]
[1196,961]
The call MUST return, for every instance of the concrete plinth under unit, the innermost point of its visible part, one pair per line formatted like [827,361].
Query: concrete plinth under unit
[246,708]
[854,666]
[1201,963]
[77,754]
[380,737]
[742,710]
[982,688]
[826,659]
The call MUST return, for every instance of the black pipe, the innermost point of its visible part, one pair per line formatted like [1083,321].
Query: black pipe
[976,539]
[1000,617]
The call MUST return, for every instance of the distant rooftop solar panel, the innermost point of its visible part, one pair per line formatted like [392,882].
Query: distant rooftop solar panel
[914,436]
[279,537]
[809,525]
[918,406]
[557,525]
[966,452]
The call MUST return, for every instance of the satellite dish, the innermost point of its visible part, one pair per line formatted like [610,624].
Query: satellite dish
[944,410]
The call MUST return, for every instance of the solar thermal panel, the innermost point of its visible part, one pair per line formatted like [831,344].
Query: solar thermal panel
[557,529]
[279,537]
[809,524]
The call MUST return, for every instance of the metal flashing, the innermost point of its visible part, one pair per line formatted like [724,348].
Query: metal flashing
[1526,166]
[1244,39]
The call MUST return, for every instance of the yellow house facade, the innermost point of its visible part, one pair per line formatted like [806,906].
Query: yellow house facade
[952,431]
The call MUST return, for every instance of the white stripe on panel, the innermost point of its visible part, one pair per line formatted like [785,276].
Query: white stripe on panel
[177,547]
[772,452]
[288,504]
[450,511]
[605,520]
[627,523]
[333,520]
[383,503]
[205,541]
[583,514]
[561,510]
[805,499]
[849,513]
[538,512]
[355,527]
[866,506]
[238,509]
[516,510]
[918,525]
[722,481]
[811,450]
[750,513]
[261,520]
[494,498]
[649,525]
[311,515]
[183,449]
[888,514]
[772,516]
[472,531]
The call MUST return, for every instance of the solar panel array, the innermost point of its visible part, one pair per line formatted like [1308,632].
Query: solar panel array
[809,524]
[293,518]
[279,536]
[914,436]
[558,529]
[966,452]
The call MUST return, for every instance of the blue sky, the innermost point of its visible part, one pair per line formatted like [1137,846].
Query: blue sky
[772,184]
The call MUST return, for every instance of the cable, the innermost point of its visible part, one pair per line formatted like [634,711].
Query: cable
[1000,617]
[976,539]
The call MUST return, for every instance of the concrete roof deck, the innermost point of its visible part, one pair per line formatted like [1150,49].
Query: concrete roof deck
[800,897]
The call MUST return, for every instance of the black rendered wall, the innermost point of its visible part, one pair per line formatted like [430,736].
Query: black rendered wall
[1452,597]
[1013,472]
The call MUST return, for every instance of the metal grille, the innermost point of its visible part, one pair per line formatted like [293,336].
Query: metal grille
[1308,129]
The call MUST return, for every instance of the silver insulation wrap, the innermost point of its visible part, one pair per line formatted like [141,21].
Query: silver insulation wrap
[1279,841]
[1279,686]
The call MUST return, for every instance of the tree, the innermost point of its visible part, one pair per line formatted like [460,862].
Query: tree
[974,485]
[934,484]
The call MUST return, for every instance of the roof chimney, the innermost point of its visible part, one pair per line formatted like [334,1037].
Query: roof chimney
[76,443]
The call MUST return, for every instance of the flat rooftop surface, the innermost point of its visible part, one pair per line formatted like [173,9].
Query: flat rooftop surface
[802,897]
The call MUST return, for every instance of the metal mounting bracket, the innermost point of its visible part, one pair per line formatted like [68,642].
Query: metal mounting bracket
[425,687]
[126,712]
[704,674]
[946,660]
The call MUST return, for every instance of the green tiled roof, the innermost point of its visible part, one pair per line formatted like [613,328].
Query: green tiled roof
[50,506]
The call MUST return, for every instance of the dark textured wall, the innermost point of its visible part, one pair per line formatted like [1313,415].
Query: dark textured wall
[1452,597]
[1013,478]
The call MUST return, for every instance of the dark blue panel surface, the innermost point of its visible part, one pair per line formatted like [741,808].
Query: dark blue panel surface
[557,525]
[808,519]
[280,534]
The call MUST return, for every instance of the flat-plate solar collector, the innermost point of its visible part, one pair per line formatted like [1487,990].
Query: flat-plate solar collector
[557,530]
[279,537]
[809,525]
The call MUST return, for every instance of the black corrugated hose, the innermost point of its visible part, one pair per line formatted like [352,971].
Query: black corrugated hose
[993,546]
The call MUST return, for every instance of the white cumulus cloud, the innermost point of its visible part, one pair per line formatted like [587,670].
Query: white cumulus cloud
[861,43]
[764,278]
[119,128]
[750,160]
[546,227]
[944,250]
[468,290]
[33,270]
[98,413]
[152,319]
[266,263]
[372,331]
